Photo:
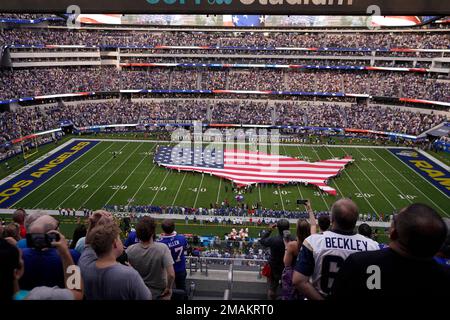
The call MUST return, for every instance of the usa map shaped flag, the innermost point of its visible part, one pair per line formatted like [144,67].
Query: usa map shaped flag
[246,168]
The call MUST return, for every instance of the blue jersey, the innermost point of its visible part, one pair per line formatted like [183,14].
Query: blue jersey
[177,245]
[131,239]
[442,261]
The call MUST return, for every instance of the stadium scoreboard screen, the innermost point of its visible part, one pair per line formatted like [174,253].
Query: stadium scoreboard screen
[286,7]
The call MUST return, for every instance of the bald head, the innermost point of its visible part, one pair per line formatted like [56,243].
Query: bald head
[32,218]
[43,224]
[420,230]
[344,215]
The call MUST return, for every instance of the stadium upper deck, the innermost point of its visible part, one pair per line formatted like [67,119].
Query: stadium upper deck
[431,39]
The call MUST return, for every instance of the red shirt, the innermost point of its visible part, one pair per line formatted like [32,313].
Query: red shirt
[23,232]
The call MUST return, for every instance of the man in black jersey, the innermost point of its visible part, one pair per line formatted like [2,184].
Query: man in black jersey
[406,268]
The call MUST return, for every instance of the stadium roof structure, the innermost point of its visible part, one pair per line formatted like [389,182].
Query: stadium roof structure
[286,7]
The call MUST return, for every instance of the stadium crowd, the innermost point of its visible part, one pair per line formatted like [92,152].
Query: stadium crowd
[37,260]
[222,213]
[273,39]
[27,120]
[42,81]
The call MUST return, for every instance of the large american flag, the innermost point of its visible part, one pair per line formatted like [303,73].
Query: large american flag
[245,168]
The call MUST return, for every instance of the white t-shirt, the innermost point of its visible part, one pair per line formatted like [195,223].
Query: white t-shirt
[48,293]
[322,255]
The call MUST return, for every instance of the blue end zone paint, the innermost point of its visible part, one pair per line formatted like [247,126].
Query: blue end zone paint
[427,168]
[18,187]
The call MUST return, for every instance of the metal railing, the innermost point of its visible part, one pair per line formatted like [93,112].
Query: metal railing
[228,294]
[204,264]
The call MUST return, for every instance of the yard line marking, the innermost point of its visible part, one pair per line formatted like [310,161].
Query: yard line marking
[279,187]
[89,178]
[178,191]
[298,188]
[335,183]
[281,198]
[320,192]
[259,191]
[54,175]
[109,177]
[218,191]
[357,188]
[65,182]
[370,180]
[385,177]
[198,191]
[157,191]
[140,187]
[405,178]
[143,158]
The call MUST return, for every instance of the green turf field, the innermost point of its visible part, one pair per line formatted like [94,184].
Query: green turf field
[377,181]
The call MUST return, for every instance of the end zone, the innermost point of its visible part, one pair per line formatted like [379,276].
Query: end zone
[19,186]
[426,167]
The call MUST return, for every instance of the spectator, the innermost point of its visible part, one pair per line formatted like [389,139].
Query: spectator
[93,221]
[105,278]
[12,230]
[290,256]
[365,230]
[78,233]
[443,256]
[19,217]
[22,243]
[314,275]
[131,238]
[277,248]
[324,222]
[43,266]
[293,247]
[177,244]
[152,260]
[12,269]
[406,268]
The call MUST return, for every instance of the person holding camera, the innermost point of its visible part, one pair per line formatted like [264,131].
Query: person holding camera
[12,269]
[277,248]
[42,262]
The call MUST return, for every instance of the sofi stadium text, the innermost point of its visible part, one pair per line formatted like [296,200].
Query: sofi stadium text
[238,309]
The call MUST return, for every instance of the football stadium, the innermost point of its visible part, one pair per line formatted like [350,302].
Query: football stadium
[172,152]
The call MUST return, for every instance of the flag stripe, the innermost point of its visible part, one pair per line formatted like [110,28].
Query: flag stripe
[284,168]
[236,174]
[246,168]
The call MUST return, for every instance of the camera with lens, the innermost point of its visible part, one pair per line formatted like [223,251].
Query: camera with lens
[41,241]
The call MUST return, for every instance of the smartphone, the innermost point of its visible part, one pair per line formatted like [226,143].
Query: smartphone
[41,241]
[302,202]
[287,234]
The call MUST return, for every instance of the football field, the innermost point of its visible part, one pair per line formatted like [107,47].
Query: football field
[378,181]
